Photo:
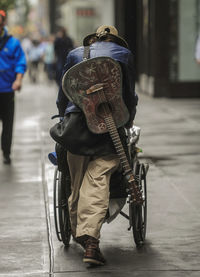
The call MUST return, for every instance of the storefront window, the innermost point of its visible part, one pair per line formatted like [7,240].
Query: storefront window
[83,17]
[173,40]
[188,32]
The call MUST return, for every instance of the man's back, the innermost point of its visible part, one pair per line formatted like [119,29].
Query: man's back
[108,49]
[98,49]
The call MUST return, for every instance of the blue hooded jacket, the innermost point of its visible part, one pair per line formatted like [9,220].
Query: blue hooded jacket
[109,49]
[12,61]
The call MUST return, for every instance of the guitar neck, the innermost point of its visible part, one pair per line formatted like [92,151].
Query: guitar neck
[117,143]
[133,189]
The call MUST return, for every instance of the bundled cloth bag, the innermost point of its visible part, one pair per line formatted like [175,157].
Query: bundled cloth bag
[73,134]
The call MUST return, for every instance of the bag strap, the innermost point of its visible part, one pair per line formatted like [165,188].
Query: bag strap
[86,53]
[3,43]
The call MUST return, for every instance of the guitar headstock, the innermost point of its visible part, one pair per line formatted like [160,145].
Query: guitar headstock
[135,192]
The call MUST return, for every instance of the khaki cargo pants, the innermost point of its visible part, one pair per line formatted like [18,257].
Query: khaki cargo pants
[89,200]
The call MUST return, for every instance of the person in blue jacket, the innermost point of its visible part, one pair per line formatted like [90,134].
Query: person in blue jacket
[12,69]
[90,176]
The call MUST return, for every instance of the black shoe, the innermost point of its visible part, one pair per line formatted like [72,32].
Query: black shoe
[6,159]
[92,254]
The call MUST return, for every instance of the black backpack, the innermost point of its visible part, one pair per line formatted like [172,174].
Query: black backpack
[3,43]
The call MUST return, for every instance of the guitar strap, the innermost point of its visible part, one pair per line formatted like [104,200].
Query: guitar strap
[86,53]
[3,43]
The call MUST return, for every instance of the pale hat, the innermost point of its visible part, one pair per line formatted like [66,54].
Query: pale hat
[103,32]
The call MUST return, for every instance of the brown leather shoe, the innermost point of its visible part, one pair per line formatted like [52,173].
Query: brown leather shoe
[92,252]
[80,240]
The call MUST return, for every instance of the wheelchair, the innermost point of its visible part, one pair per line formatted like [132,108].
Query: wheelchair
[137,216]
[95,86]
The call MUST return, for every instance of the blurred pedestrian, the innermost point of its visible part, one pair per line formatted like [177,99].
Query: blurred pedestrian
[49,58]
[197,50]
[12,69]
[26,44]
[34,57]
[62,45]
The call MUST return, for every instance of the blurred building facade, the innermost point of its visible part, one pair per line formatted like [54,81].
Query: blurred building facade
[163,36]
[29,17]
[80,17]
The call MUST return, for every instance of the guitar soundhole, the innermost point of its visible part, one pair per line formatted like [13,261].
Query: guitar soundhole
[104,109]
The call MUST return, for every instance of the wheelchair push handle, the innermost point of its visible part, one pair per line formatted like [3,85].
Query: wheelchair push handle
[57,116]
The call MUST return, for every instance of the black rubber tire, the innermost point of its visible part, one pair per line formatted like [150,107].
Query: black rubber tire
[138,213]
[61,212]
[55,203]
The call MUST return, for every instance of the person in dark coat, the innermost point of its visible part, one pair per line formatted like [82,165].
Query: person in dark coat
[62,45]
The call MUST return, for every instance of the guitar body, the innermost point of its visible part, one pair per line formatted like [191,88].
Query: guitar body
[94,85]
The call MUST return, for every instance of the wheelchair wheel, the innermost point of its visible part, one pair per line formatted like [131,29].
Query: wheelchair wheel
[138,213]
[55,202]
[61,213]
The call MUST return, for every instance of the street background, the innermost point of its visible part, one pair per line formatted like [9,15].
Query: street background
[168,85]
[170,133]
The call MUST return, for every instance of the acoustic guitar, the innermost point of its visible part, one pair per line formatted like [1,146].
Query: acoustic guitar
[95,85]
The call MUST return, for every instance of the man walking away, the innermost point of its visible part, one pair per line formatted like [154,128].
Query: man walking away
[63,44]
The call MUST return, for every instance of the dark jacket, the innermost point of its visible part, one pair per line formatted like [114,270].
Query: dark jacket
[62,46]
[118,53]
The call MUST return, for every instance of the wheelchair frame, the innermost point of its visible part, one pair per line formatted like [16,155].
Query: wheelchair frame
[137,212]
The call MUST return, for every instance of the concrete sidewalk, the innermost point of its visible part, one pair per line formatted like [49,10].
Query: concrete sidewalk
[170,141]
[24,242]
